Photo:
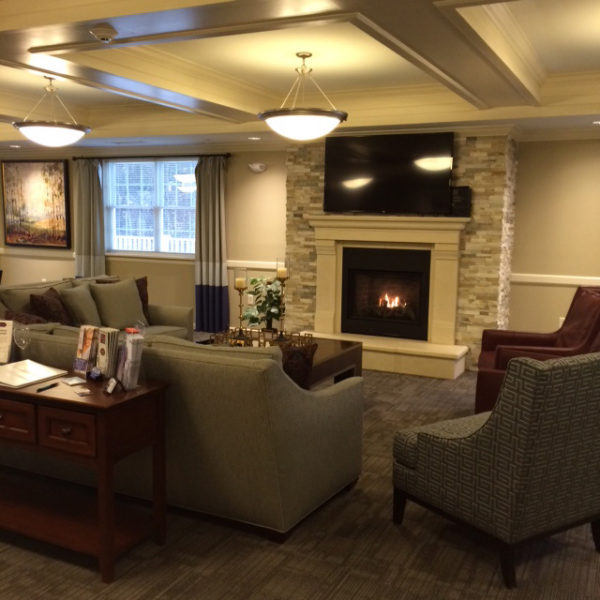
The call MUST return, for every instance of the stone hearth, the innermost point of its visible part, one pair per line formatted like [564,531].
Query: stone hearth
[438,356]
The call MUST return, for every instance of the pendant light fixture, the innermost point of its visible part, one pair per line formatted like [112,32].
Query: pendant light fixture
[303,124]
[52,133]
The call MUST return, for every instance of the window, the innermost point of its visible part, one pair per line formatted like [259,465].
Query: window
[150,205]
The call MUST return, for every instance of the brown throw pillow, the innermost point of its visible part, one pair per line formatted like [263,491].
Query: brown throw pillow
[51,307]
[297,362]
[142,286]
[25,318]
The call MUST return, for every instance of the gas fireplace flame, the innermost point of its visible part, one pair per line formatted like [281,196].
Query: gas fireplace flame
[392,302]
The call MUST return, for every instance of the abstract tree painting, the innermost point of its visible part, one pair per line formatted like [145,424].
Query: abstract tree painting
[36,207]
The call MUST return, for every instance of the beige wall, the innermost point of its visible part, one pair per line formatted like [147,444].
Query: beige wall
[255,216]
[557,230]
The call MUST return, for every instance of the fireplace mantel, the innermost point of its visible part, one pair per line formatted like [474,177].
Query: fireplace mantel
[439,235]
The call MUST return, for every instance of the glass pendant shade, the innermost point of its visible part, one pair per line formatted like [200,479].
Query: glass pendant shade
[51,133]
[303,124]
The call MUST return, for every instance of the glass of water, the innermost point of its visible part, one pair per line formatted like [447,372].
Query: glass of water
[21,335]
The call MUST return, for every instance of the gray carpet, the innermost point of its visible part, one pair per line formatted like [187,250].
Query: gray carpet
[348,550]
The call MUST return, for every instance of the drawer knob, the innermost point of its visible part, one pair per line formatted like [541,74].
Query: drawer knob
[66,431]
[1,416]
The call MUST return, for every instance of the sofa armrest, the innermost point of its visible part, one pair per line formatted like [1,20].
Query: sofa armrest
[505,353]
[317,437]
[179,316]
[491,338]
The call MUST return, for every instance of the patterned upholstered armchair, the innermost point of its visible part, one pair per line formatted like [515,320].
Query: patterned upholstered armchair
[528,468]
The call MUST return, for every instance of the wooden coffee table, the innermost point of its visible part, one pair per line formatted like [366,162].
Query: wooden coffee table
[336,358]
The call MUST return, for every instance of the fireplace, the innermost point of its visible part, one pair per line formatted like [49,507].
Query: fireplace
[385,292]
[434,353]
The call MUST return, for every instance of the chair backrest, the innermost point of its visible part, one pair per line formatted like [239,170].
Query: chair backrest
[582,320]
[546,426]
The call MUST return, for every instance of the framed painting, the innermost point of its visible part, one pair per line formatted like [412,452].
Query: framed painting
[36,203]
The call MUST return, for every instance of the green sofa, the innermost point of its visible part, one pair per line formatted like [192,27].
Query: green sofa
[106,301]
[244,442]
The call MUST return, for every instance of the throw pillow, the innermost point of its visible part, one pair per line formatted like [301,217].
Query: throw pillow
[142,286]
[26,318]
[119,304]
[297,362]
[81,305]
[51,307]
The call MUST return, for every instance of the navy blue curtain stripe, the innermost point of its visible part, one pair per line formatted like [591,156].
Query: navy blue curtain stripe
[212,308]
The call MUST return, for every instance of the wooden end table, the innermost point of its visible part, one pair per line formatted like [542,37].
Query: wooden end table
[95,431]
[336,358]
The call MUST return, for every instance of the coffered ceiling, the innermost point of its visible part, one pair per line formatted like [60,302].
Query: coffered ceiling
[199,72]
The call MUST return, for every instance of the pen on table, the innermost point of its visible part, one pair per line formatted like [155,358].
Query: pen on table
[46,387]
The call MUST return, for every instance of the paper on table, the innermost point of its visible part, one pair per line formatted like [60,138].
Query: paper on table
[25,372]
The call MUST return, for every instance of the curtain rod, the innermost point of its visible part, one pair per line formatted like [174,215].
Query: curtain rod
[191,155]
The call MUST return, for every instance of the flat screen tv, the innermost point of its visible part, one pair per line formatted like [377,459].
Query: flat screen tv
[408,174]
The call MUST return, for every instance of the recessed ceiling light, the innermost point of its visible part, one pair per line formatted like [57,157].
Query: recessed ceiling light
[14,146]
[595,122]
[254,138]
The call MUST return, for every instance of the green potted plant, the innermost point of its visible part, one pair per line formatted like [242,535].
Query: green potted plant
[268,302]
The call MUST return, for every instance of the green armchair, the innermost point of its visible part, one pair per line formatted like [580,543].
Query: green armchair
[528,468]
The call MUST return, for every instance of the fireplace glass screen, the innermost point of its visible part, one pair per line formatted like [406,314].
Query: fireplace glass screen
[385,292]
[384,295]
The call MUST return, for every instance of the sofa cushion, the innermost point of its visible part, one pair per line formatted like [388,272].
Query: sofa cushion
[51,307]
[17,297]
[119,304]
[81,305]
[26,318]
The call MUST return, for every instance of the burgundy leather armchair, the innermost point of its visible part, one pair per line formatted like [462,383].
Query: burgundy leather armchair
[579,333]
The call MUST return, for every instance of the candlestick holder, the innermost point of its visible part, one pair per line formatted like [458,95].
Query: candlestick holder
[282,276]
[241,285]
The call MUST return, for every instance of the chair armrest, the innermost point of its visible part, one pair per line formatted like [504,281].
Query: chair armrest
[505,353]
[495,337]
[453,429]
[180,316]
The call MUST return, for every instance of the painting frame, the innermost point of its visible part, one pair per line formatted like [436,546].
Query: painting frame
[36,204]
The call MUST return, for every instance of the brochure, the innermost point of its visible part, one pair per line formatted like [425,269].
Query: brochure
[6,329]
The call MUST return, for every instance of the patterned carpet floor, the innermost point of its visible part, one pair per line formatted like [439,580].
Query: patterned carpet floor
[347,550]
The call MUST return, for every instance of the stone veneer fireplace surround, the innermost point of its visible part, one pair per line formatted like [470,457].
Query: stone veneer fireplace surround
[439,356]
[487,163]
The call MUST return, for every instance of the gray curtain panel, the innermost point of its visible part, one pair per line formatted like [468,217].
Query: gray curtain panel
[89,230]
[212,301]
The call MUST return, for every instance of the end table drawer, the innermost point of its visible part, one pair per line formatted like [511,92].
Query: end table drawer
[17,421]
[67,430]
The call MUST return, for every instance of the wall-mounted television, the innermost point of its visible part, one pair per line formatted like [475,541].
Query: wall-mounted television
[404,174]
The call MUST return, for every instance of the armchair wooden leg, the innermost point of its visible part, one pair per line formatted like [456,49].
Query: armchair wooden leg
[399,505]
[507,564]
[596,534]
